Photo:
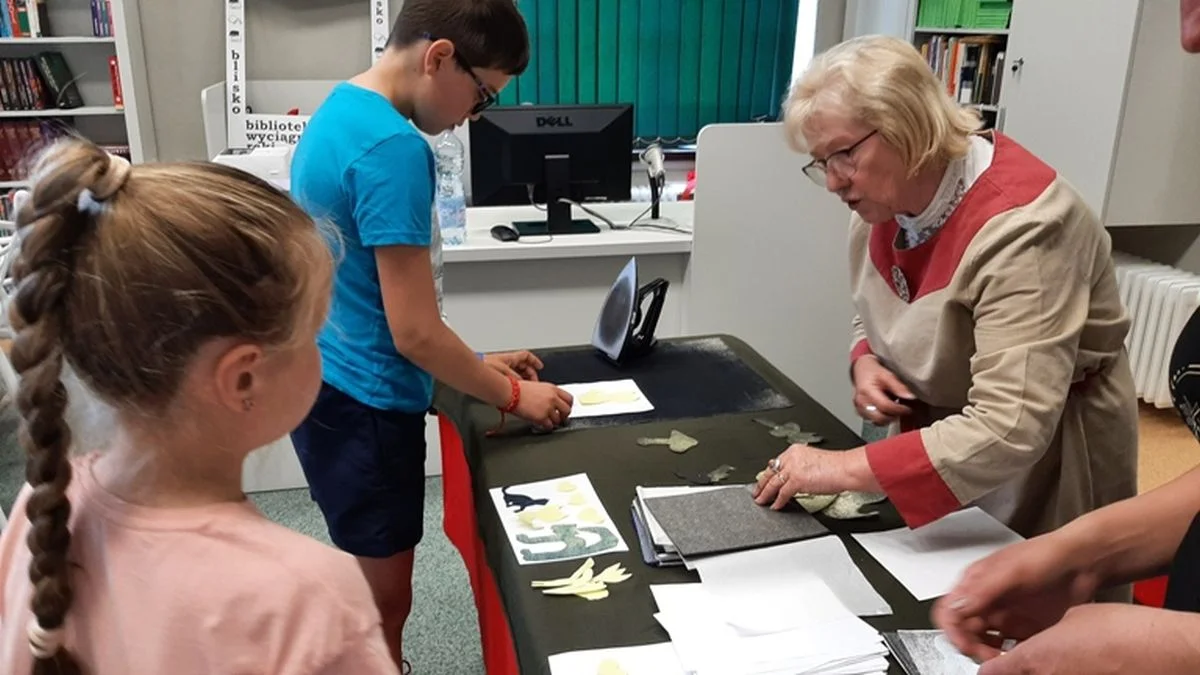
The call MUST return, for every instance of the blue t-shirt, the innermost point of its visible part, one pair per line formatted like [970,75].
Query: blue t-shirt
[363,167]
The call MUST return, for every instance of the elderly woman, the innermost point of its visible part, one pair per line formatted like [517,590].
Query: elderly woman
[988,318]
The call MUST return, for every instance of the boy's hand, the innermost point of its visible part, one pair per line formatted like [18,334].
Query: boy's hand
[544,404]
[522,365]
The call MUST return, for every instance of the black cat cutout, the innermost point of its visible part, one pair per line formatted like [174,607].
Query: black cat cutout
[521,501]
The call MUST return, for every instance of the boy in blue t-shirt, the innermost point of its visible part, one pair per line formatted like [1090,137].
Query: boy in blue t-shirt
[363,165]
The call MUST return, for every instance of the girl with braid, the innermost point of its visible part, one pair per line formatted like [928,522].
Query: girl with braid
[187,298]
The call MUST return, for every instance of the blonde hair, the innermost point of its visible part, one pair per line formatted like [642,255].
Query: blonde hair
[883,83]
[124,273]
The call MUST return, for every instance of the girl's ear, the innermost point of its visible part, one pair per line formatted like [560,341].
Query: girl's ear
[238,377]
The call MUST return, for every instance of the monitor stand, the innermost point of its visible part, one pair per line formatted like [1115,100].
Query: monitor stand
[558,213]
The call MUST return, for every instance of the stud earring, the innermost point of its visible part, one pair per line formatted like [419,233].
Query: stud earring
[247,404]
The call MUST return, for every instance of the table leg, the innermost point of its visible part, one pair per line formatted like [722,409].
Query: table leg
[461,527]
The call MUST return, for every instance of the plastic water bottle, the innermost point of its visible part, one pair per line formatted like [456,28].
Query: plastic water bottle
[451,198]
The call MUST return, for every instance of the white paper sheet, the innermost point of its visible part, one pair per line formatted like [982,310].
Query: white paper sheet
[581,392]
[656,659]
[784,566]
[929,560]
[707,645]
[563,520]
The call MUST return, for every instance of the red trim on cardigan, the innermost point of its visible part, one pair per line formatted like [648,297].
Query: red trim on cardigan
[860,349]
[1015,178]
[902,467]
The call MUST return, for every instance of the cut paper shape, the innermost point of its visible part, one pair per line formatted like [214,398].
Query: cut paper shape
[711,478]
[607,398]
[610,667]
[550,514]
[677,441]
[573,545]
[583,584]
[522,502]
[849,505]
[533,509]
[566,486]
[791,431]
[590,515]
[815,503]
[598,397]
[840,505]
[583,574]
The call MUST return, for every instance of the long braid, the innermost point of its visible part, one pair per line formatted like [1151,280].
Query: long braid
[53,225]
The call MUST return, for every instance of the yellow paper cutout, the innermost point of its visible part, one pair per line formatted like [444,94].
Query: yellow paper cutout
[578,499]
[590,515]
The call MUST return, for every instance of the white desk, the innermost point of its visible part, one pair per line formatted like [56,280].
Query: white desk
[516,295]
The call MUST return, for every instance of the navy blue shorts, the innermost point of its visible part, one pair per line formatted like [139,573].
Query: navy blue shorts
[366,471]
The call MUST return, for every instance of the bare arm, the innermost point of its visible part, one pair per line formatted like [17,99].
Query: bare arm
[409,301]
[1135,538]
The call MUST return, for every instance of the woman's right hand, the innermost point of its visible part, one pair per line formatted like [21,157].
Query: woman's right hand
[875,392]
[1014,594]
[543,404]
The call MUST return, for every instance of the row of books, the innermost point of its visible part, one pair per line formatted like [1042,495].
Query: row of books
[22,139]
[30,18]
[972,68]
[45,82]
[974,14]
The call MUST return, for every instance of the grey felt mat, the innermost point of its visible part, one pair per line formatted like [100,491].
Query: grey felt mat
[726,520]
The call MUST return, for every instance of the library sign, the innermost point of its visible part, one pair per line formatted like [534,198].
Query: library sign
[252,130]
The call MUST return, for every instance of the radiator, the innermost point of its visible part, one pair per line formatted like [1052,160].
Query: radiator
[1159,299]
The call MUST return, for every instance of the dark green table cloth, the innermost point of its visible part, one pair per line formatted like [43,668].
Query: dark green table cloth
[544,625]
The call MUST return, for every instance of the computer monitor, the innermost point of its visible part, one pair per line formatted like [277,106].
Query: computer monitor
[577,152]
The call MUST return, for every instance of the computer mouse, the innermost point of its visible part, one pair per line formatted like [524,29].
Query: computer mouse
[505,233]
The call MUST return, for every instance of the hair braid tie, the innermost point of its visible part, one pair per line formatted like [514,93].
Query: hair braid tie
[110,181]
[44,643]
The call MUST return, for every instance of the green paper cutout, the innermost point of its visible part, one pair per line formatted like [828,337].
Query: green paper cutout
[574,546]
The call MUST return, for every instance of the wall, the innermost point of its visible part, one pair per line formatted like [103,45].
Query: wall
[288,39]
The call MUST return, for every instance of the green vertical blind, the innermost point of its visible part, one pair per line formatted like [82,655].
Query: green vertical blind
[681,63]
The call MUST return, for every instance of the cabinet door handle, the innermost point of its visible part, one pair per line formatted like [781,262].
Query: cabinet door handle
[1017,64]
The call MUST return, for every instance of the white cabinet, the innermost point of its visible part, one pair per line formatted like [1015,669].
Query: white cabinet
[1102,91]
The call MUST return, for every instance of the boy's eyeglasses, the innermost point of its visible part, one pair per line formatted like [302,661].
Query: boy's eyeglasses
[487,99]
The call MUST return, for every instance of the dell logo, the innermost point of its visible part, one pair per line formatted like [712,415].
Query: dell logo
[554,121]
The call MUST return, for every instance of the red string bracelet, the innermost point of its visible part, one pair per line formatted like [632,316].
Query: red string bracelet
[512,404]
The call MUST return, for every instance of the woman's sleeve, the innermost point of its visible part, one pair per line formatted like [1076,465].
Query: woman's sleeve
[859,346]
[1031,302]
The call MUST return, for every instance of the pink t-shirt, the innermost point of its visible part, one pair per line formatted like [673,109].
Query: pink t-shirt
[217,589]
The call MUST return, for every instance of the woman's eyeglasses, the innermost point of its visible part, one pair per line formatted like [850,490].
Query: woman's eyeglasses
[840,163]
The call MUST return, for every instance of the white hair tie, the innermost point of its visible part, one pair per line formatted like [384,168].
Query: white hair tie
[42,642]
[87,203]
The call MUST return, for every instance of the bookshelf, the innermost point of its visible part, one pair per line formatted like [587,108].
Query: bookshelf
[70,65]
[1101,90]
[964,42]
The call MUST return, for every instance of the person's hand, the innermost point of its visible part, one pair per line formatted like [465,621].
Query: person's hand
[802,468]
[875,391]
[1014,593]
[522,365]
[543,404]
[1105,638]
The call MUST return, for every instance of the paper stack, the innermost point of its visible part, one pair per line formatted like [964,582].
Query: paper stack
[657,549]
[692,523]
[749,630]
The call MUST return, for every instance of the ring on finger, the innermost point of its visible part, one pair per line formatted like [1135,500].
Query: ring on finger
[870,408]
[775,465]
[779,477]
